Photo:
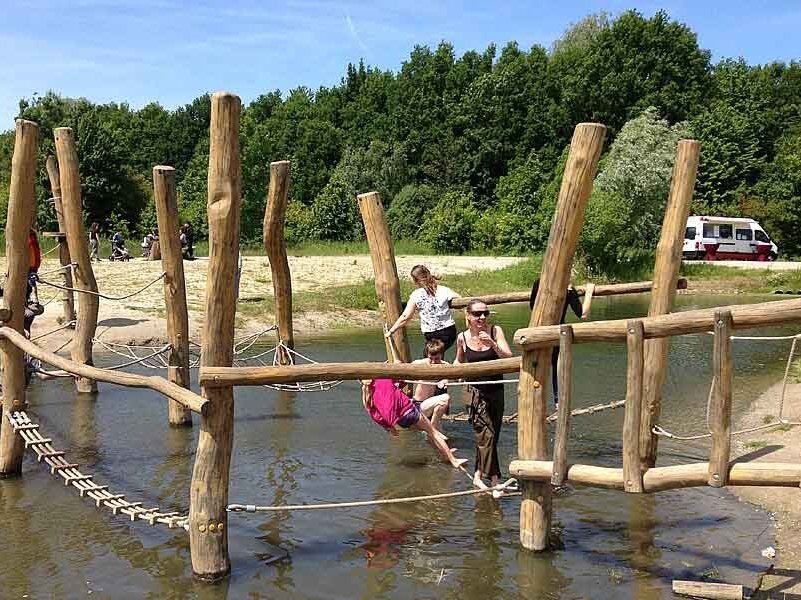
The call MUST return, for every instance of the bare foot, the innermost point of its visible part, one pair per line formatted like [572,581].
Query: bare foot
[479,483]
[498,494]
[458,463]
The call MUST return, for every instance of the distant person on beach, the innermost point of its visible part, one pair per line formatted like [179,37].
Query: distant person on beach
[390,408]
[572,300]
[187,238]
[118,249]
[94,242]
[432,399]
[35,252]
[481,342]
[433,301]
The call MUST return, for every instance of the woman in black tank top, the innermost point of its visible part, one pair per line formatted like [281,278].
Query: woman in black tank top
[482,342]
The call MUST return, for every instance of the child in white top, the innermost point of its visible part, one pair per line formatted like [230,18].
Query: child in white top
[433,301]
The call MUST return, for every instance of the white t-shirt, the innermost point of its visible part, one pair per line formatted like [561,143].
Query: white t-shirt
[435,311]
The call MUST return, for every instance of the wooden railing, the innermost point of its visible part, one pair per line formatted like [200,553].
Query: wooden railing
[634,476]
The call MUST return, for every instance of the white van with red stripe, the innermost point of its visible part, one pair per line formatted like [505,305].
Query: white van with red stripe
[727,238]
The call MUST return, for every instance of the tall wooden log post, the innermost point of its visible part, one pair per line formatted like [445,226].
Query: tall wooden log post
[208,520]
[67,298]
[663,294]
[632,469]
[387,286]
[21,208]
[720,405]
[532,432]
[89,302]
[274,243]
[174,288]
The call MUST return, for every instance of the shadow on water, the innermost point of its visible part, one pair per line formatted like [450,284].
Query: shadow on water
[312,447]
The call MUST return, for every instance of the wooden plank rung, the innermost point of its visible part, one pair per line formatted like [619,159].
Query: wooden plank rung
[116,498]
[54,454]
[25,427]
[70,478]
[55,468]
[37,442]
[93,488]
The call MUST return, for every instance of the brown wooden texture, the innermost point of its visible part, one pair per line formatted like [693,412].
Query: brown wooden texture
[688,322]
[208,518]
[21,211]
[666,275]
[564,372]
[660,479]
[222,377]
[711,591]
[387,286]
[274,243]
[720,406]
[84,276]
[67,297]
[532,433]
[181,395]
[172,262]
[632,469]
[611,289]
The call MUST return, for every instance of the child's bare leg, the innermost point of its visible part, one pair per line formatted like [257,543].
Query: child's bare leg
[440,409]
[423,424]
[478,481]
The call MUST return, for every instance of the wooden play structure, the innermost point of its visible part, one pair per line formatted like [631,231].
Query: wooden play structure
[536,469]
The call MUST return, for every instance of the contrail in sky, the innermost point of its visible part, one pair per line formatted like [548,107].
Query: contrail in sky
[354,34]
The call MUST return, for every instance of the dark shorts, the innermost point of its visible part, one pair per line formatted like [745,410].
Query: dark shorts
[410,417]
[447,336]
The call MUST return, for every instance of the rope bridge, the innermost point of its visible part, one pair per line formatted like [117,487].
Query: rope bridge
[85,484]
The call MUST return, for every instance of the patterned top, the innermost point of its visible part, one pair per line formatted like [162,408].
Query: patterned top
[435,311]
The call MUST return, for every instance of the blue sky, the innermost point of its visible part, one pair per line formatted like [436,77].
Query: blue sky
[170,51]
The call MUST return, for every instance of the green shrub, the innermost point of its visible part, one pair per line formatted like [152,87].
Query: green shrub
[408,210]
[449,226]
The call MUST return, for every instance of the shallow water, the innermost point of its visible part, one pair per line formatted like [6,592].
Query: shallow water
[315,447]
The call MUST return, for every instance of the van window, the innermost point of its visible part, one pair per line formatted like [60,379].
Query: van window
[709,231]
[761,236]
[744,234]
[725,232]
[689,233]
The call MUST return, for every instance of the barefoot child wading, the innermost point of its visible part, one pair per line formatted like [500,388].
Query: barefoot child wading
[390,407]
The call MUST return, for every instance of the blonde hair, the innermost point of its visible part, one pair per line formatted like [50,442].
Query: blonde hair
[423,277]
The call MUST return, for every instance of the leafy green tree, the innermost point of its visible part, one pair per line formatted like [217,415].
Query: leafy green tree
[625,213]
[449,226]
[409,207]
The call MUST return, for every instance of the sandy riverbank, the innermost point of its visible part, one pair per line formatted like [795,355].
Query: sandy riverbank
[781,444]
[140,319]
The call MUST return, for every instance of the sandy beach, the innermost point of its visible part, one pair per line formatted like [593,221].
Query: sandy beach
[140,318]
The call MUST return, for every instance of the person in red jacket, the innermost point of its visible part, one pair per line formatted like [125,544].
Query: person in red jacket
[35,253]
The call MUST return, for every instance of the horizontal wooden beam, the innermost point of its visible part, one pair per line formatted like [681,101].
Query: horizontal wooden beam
[181,395]
[613,289]
[660,479]
[231,376]
[744,316]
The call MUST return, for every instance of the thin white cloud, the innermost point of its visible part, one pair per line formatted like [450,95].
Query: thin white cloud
[355,34]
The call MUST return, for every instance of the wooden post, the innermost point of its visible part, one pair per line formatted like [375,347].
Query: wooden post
[174,288]
[208,520]
[89,303]
[720,407]
[564,373]
[67,298]
[274,243]
[632,469]
[666,275]
[387,286]
[532,433]
[21,208]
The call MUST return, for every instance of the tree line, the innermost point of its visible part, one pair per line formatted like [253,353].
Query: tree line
[467,151]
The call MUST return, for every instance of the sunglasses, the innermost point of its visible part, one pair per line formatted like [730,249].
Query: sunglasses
[480,313]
